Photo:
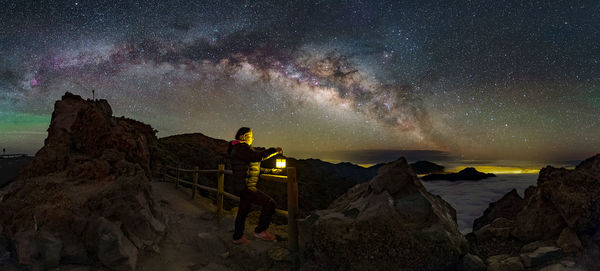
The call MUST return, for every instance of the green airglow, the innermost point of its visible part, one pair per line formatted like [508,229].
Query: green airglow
[14,122]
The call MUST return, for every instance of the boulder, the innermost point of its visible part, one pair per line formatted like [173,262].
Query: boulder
[114,250]
[562,198]
[568,241]
[541,256]
[390,217]
[531,247]
[507,207]
[504,262]
[85,197]
[471,262]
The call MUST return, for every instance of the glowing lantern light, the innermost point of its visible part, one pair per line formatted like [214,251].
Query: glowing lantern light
[280,163]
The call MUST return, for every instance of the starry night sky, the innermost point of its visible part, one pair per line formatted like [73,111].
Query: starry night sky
[337,80]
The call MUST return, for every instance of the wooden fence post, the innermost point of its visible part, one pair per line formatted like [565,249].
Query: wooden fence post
[194,187]
[220,189]
[292,209]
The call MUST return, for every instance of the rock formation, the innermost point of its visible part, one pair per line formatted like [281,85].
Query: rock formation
[559,219]
[507,207]
[388,223]
[468,174]
[85,198]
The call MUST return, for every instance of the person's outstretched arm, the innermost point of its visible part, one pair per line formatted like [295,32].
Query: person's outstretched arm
[249,155]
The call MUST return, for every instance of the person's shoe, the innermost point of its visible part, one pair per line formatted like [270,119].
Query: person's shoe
[241,241]
[265,235]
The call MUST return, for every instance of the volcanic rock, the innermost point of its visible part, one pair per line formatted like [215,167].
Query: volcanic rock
[562,198]
[468,174]
[540,256]
[471,262]
[388,223]
[507,207]
[563,210]
[568,241]
[504,262]
[85,198]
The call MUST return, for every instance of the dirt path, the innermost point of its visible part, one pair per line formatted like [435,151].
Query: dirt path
[197,239]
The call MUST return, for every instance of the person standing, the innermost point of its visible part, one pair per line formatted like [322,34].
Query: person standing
[245,163]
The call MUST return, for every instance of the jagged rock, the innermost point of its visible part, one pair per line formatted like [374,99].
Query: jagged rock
[568,241]
[489,232]
[114,250]
[390,217]
[500,228]
[541,256]
[92,172]
[504,262]
[468,174]
[471,262]
[538,220]
[507,207]
[562,198]
[39,250]
[531,247]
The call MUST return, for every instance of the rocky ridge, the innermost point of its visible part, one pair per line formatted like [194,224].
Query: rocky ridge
[85,197]
[388,223]
[556,224]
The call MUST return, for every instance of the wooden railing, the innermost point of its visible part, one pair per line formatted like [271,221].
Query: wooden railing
[292,191]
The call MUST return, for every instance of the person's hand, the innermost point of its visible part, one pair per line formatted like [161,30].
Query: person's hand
[279,150]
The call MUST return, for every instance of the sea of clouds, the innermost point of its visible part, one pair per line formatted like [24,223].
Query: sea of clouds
[471,198]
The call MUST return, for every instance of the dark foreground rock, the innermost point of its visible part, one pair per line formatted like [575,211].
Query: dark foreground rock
[507,207]
[557,223]
[468,174]
[85,198]
[388,223]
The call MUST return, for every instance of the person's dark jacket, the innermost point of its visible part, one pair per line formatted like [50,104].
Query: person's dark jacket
[245,164]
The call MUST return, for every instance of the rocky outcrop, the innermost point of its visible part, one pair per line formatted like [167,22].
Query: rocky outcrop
[85,198]
[558,218]
[507,207]
[388,223]
[467,174]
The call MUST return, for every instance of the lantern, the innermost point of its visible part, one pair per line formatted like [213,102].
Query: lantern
[280,162]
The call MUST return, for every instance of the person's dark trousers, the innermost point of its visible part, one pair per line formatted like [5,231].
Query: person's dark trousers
[247,197]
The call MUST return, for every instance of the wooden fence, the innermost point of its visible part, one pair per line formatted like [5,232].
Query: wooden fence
[292,191]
